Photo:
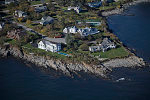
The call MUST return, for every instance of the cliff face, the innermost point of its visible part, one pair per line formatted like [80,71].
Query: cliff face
[131,61]
[68,68]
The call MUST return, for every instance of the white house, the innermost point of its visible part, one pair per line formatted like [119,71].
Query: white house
[9,1]
[104,46]
[77,9]
[73,29]
[83,31]
[49,46]
[2,25]
[19,13]
[46,20]
[88,31]
[40,9]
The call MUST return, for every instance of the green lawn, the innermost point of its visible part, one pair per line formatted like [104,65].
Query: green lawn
[30,49]
[38,2]
[11,41]
[35,2]
[113,53]
[106,7]
[64,8]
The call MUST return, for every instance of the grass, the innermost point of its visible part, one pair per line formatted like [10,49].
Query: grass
[64,8]
[113,53]
[38,2]
[35,2]
[30,49]
[106,7]
[11,41]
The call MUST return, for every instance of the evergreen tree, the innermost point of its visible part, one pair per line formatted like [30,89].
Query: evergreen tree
[69,40]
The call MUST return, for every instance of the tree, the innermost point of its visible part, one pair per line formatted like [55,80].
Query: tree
[69,40]
[2,40]
[84,47]
[75,45]
[7,27]
[44,30]
[38,16]
[89,37]
[77,36]
[28,22]
[24,6]
[20,19]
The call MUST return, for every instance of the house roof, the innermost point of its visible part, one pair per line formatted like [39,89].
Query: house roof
[87,29]
[9,0]
[48,42]
[106,42]
[2,23]
[47,18]
[104,45]
[41,7]
[20,12]
[56,40]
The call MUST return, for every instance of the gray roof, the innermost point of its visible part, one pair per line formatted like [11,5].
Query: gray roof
[42,8]
[47,18]
[104,45]
[9,0]
[48,42]
[2,24]
[106,41]
[20,12]
[56,40]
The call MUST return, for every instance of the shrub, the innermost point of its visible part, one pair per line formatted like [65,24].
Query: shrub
[84,47]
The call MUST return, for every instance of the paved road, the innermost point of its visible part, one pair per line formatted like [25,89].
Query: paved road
[27,29]
[57,40]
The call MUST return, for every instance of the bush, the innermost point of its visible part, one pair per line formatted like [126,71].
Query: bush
[2,40]
[28,22]
[84,47]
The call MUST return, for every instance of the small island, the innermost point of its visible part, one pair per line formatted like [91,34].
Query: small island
[66,35]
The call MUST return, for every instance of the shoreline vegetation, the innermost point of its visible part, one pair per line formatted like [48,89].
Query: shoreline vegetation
[79,59]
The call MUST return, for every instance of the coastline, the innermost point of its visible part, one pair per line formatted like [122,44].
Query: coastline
[121,10]
[70,68]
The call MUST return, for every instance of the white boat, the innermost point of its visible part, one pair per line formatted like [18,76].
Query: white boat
[120,79]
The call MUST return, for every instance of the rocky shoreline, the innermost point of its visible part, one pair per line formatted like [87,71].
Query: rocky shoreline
[69,68]
[121,10]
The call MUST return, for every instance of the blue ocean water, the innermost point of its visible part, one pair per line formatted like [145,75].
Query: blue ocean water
[21,82]
[134,31]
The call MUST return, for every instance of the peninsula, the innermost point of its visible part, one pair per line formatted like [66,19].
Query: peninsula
[66,35]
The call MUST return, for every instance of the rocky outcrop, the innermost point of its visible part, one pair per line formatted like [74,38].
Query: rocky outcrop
[69,68]
[66,68]
[112,12]
[120,10]
[132,61]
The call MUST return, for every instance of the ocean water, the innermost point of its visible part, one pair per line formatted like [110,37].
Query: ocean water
[20,81]
[134,31]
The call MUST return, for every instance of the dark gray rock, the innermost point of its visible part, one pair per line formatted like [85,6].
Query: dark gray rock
[68,68]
